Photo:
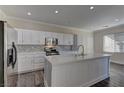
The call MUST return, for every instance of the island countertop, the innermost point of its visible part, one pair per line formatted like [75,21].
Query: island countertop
[63,59]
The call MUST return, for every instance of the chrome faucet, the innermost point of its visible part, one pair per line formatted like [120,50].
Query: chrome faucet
[81,50]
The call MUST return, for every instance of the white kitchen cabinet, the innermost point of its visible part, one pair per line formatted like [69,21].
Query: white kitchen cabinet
[38,62]
[11,36]
[100,68]
[67,39]
[31,37]
[30,61]
[27,37]
[42,37]
[60,38]
[35,37]
[25,63]
[48,35]
[20,37]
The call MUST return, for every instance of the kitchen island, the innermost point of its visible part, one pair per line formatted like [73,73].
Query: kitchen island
[75,71]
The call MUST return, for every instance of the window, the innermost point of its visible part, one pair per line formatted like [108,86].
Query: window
[113,42]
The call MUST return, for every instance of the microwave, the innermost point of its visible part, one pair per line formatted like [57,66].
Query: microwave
[51,42]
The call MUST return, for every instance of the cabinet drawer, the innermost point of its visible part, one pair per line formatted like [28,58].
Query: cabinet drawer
[38,60]
[38,66]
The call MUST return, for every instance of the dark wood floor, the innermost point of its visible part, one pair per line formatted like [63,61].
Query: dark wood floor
[29,79]
[116,77]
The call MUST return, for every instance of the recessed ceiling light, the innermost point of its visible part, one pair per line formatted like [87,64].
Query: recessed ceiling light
[105,26]
[56,12]
[29,13]
[91,8]
[116,20]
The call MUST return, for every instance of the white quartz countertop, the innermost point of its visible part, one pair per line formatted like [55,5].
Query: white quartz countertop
[41,52]
[62,59]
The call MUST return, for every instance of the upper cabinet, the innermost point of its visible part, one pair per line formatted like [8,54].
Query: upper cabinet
[20,40]
[67,39]
[11,36]
[27,37]
[35,37]
[60,38]
[42,37]
[49,34]
[38,37]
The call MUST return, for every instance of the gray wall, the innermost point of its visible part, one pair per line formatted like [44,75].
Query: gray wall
[98,42]
[1,53]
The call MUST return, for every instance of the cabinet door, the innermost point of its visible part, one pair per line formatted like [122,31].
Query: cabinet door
[60,38]
[68,39]
[21,63]
[93,69]
[38,62]
[42,38]
[25,63]
[29,62]
[48,35]
[53,35]
[65,39]
[11,36]
[27,37]
[35,37]
[20,38]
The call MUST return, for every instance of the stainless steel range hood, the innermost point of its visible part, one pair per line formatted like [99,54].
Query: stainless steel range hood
[51,42]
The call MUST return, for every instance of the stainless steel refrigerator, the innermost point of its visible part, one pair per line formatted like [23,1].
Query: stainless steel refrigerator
[1,53]
[8,52]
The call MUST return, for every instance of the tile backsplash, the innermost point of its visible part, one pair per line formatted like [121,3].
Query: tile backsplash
[38,48]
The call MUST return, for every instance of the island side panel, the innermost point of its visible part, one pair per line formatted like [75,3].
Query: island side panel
[98,70]
[69,74]
[47,73]
[83,73]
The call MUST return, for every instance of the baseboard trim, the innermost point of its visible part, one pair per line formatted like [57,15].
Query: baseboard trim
[117,62]
[45,83]
[90,83]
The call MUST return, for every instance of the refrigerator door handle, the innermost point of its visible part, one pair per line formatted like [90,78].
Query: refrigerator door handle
[14,55]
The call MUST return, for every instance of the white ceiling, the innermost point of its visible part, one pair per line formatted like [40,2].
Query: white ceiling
[72,16]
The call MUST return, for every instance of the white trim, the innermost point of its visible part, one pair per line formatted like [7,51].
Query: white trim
[5,54]
[90,83]
[45,83]
[117,62]
[2,16]
[43,23]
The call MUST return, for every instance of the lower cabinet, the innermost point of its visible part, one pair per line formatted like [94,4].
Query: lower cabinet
[30,62]
[24,63]
[38,62]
